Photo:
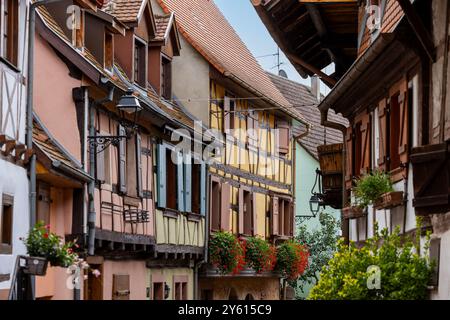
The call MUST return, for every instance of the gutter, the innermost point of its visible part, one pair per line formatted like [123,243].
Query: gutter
[72,172]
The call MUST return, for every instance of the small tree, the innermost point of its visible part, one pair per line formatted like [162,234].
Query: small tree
[388,267]
[321,244]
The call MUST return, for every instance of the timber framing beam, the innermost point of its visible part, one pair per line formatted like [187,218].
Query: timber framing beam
[417,25]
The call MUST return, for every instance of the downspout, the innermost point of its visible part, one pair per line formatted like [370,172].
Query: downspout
[334,125]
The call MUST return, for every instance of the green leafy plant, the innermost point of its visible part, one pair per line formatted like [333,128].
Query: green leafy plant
[259,254]
[371,187]
[227,253]
[40,242]
[292,259]
[322,244]
[389,259]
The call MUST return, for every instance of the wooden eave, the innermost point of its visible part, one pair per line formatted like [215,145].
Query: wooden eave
[314,34]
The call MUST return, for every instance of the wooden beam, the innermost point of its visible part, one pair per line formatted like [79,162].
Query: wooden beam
[417,25]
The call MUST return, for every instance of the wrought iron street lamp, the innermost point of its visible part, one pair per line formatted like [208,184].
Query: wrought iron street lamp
[128,105]
[316,200]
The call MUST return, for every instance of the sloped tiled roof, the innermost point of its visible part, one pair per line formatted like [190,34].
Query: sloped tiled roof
[206,29]
[162,23]
[170,111]
[301,97]
[124,10]
[51,149]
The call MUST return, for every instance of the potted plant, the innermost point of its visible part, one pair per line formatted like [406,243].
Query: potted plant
[227,252]
[259,254]
[376,189]
[43,247]
[292,259]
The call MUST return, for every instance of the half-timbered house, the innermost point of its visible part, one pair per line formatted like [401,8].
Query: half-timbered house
[145,241]
[395,97]
[251,180]
[14,150]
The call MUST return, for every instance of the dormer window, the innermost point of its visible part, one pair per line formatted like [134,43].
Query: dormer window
[77,27]
[109,51]
[166,78]
[9,18]
[140,63]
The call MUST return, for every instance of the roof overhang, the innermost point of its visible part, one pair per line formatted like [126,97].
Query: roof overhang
[313,34]
[360,86]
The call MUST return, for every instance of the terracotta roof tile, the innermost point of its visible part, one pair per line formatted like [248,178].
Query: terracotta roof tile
[46,143]
[162,23]
[301,97]
[124,10]
[205,28]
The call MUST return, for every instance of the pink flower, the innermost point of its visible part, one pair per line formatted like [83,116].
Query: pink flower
[47,226]
[96,273]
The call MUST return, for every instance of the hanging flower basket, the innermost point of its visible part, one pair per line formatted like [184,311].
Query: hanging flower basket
[45,245]
[292,259]
[35,266]
[227,253]
[259,255]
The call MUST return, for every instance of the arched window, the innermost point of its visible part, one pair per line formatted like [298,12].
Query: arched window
[249,297]
[233,295]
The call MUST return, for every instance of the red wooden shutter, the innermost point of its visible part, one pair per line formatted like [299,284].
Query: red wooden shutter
[292,218]
[366,143]
[283,132]
[121,287]
[100,162]
[225,207]
[382,126]
[349,162]
[226,112]
[274,219]
[241,211]
[254,215]
[404,127]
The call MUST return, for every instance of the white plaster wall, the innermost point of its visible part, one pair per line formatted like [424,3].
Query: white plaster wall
[14,182]
[443,290]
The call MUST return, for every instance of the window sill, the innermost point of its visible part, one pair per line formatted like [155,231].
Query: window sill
[195,217]
[5,249]
[170,213]
[10,65]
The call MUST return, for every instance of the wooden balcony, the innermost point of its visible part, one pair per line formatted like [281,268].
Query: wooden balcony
[431,178]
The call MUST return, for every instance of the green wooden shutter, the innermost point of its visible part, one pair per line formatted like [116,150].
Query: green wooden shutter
[161,175]
[180,182]
[122,161]
[139,166]
[188,185]
[203,189]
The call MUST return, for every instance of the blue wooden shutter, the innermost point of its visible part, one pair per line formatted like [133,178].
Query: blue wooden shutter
[203,189]
[187,184]
[122,160]
[180,182]
[139,165]
[161,175]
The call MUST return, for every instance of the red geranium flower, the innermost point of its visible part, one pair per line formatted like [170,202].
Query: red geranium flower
[45,235]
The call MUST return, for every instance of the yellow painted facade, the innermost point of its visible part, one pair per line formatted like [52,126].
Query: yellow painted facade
[257,155]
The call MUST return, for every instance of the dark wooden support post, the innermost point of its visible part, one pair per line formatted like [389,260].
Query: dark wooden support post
[417,25]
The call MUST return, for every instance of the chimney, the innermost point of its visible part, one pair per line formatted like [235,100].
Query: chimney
[315,86]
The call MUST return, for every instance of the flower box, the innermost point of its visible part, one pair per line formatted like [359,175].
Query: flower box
[35,266]
[354,212]
[389,200]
